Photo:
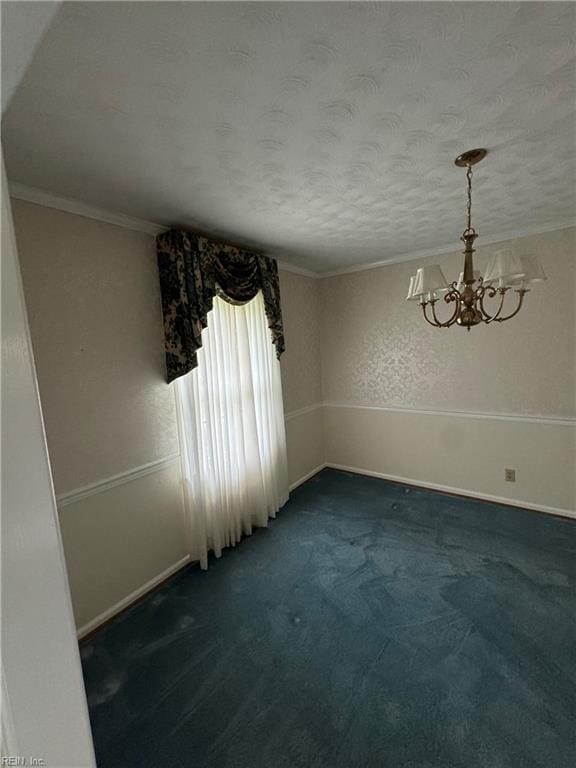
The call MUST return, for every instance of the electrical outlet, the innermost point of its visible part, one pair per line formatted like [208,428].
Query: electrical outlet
[510,475]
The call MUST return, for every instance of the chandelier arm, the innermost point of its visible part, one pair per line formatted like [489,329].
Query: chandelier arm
[425,313]
[521,293]
[487,317]
[450,296]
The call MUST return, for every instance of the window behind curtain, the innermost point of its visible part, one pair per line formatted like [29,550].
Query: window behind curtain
[232,433]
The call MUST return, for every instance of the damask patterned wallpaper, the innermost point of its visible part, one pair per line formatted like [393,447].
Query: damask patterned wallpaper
[93,301]
[378,350]
[301,380]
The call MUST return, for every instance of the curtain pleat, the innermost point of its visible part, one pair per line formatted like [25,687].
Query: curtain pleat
[232,433]
[193,270]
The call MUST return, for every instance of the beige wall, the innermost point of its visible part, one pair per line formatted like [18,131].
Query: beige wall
[94,306]
[300,363]
[352,341]
[120,538]
[43,710]
[377,351]
[301,374]
[459,454]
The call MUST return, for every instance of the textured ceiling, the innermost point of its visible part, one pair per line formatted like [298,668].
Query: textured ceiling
[323,133]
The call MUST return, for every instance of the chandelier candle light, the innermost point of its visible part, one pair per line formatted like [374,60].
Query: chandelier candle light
[505,271]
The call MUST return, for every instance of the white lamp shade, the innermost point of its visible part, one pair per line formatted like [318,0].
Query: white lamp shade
[460,285]
[533,272]
[504,267]
[411,296]
[430,280]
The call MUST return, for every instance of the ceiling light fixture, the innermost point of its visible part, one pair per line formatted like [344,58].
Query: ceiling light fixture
[505,271]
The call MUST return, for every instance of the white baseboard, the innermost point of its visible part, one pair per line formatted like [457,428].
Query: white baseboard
[458,491]
[131,598]
[307,476]
[149,585]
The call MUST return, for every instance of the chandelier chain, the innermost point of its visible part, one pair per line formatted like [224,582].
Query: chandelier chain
[469,203]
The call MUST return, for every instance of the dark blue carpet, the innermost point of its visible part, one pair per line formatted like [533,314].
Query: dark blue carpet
[371,624]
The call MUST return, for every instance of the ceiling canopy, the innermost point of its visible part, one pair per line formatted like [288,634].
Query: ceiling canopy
[322,133]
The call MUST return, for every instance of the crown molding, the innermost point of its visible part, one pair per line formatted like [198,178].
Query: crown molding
[452,247]
[285,267]
[49,200]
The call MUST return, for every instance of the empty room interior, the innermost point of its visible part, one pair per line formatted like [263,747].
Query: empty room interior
[288,398]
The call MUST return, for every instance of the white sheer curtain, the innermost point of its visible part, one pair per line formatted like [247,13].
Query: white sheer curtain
[232,434]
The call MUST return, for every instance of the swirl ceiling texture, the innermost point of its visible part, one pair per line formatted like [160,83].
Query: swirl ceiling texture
[321,133]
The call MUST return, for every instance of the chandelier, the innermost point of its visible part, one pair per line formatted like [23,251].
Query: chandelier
[505,273]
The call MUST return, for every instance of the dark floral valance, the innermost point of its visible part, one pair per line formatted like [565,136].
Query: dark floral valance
[193,270]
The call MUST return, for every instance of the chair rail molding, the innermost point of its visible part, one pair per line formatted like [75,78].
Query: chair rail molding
[70,497]
[127,476]
[493,415]
[302,411]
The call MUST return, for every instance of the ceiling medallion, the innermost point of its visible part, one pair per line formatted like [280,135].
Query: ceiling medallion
[505,272]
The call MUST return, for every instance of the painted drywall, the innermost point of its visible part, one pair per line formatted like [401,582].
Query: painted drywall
[378,351]
[44,711]
[94,304]
[305,443]
[23,25]
[461,454]
[120,538]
